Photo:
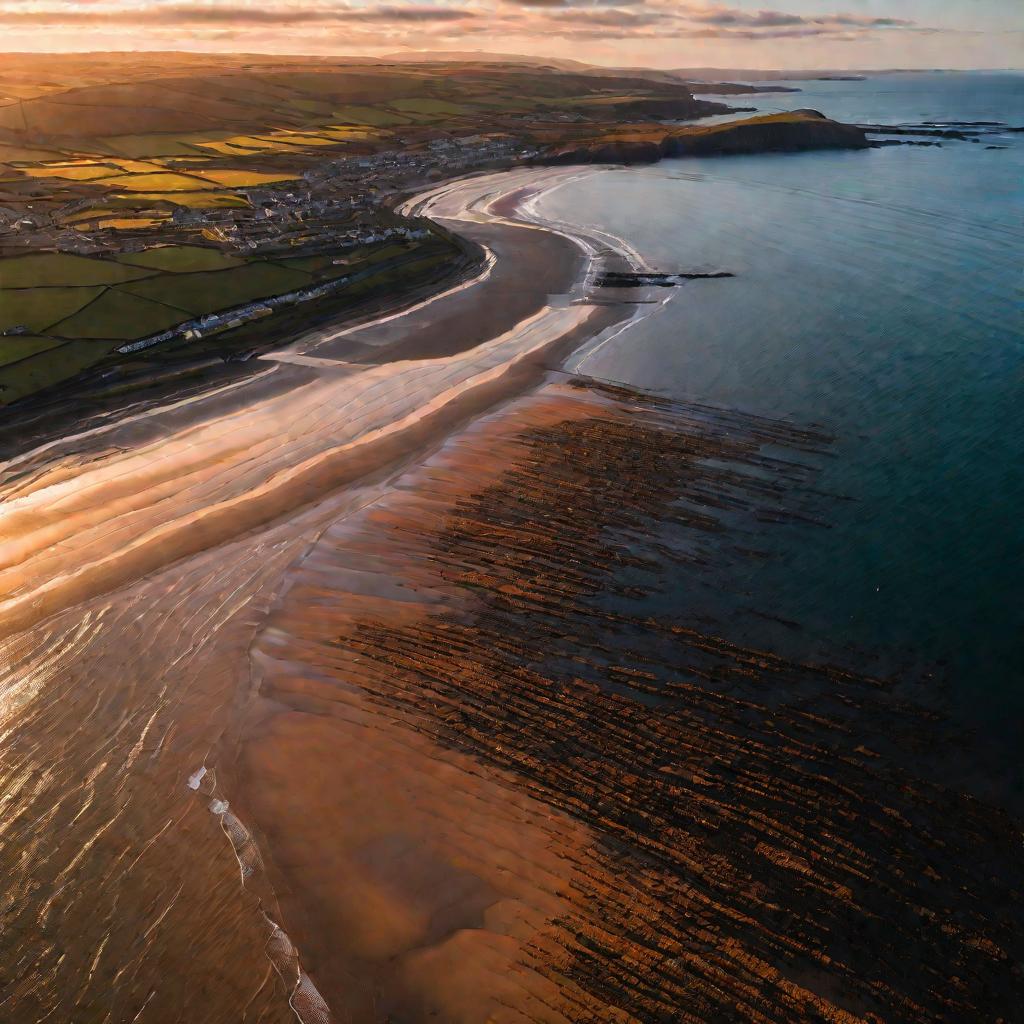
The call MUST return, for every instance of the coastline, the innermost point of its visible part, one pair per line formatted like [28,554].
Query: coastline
[138,559]
[109,389]
[580,815]
[397,398]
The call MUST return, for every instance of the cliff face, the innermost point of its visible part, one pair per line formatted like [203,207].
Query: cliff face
[792,132]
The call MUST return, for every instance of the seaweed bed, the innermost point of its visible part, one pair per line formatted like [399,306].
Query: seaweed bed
[771,839]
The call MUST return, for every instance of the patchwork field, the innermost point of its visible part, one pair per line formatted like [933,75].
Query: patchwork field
[139,193]
[61,314]
[38,309]
[49,269]
[171,129]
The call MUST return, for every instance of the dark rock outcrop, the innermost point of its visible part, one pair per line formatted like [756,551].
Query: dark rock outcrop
[756,136]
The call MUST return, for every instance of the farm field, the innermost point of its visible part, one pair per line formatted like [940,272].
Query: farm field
[208,292]
[181,259]
[90,306]
[58,269]
[138,194]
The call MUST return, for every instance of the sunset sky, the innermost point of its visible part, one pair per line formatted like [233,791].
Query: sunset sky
[659,33]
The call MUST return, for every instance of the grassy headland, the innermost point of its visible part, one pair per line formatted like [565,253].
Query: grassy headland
[788,132]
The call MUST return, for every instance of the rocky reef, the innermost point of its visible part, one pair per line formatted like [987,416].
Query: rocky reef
[623,279]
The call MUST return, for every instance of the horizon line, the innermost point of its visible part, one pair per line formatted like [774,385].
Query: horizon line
[468,55]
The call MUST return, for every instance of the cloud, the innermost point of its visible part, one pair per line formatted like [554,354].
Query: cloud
[238,15]
[390,12]
[733,17]
[852,19]
[373,22]
[612,18]
[761,19]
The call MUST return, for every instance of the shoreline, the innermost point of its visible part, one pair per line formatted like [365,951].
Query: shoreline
[137,560]
[199,449]
[438,769]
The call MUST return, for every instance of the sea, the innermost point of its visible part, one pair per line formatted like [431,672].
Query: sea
[877,295]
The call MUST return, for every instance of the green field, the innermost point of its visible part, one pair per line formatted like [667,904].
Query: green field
[323,267]
[120,316]
[181,259]
[40,308]
[58,364]
[49,269]
[375,117]
[413,105]
[22,346]
[207,293]
[316,265]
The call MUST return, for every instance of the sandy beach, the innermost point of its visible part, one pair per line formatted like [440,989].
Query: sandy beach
[134,561]
[330,408]
[330,695]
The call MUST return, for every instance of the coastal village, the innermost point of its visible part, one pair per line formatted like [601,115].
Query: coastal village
[338,204]
[139,218]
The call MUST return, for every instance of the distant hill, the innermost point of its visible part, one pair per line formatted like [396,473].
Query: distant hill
[763,75]
[665,75]
[481,57]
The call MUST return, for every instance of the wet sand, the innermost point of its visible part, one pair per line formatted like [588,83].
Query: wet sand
[324,696]
[490,792]
[135,561]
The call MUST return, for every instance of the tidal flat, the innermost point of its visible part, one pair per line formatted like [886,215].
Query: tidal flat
[401,678]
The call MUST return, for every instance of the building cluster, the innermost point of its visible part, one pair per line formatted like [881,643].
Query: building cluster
[338,204]
[42,228]
[214,323]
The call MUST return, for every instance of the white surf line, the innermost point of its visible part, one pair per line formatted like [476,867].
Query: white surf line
[614,242]
[585,238]
[304,998]
[591,232]
[590,350]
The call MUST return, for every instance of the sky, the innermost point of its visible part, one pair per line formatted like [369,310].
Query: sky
[845,34]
